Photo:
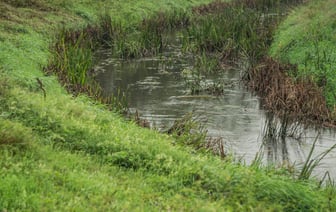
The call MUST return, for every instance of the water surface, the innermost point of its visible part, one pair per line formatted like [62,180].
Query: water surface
[156,89]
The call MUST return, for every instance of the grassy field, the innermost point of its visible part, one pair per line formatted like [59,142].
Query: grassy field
[65,153]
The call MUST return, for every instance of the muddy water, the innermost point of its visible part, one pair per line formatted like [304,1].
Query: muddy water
[157,91]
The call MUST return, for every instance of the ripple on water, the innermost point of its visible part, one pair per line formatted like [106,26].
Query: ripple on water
[158,92]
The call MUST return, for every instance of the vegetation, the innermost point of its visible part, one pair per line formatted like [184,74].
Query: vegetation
[307,38]
[227,33]
[231,31]
[296,90]
[60,151]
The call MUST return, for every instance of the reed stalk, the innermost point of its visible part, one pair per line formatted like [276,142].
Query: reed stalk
[311,163]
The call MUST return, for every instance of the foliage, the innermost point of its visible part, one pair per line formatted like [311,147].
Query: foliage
[14,134]
[189,131]
[236,29]
[83,157]
[311,163]
[305,38]
[202,79]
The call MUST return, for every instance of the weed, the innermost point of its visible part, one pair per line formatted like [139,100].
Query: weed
[257,161]
[327,179]
[15,135]
[311,163]
[304,39]
[188,131]
[193,80]
[73,61]
[207,64]
[108,30]
[116,102]
[197,79]
[91,159]
[141,122]
[216,146]
[233,30]
[297,100]
[147,37]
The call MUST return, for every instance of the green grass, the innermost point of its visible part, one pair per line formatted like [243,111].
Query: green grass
[307,38]
[228,31]
[62,153]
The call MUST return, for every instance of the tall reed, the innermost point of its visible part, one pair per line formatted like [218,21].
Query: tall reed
[233,31]
[73,60]
[312,162]
[146,38]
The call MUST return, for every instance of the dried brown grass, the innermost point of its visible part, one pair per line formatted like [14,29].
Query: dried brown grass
[299,100]
[216,146]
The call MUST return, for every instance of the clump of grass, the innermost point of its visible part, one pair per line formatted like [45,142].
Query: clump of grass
[116,102]
[197,79]
[188,131]
[197,83]
[216,146]
[232,31]
[165,21]
[298,100]
[137,44]
[73,61]
[147,37]
[109,30]
[207,63]
[193,80]
[15,135]
[311,163]
[275,133]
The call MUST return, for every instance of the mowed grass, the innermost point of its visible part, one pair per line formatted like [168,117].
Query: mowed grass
[62,153]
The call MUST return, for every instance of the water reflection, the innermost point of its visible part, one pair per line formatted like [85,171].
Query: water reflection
[156,90]
[285,144]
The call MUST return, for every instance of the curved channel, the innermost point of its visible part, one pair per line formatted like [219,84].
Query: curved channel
[157,91]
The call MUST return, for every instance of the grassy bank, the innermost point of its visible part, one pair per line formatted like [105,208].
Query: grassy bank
[307,38]
[59,152]
[242,32]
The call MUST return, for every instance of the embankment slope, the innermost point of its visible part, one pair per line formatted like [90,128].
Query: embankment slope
[71,154]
